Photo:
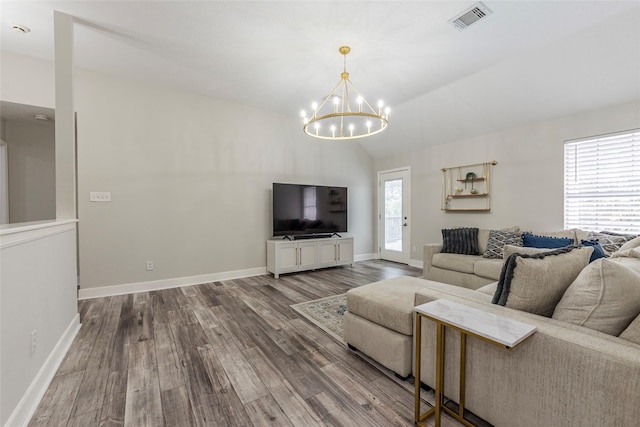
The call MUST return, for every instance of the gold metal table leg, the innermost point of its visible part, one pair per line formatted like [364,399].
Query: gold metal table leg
[440,343]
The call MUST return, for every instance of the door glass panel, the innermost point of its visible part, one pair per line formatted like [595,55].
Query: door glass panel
[393,215]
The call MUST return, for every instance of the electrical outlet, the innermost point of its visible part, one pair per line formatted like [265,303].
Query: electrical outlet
[149,265]
[414,249]
[100,196]
[34,341]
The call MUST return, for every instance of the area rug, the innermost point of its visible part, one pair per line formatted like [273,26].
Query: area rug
[326,313]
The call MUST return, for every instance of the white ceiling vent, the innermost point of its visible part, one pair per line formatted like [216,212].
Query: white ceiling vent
[470,16]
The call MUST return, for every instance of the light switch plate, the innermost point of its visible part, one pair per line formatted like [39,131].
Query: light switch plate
[100,196]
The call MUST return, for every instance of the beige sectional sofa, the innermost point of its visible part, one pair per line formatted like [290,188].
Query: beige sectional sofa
[475,271]
[564,375]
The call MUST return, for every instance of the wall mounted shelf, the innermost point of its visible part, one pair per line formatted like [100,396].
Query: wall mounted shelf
[467,188]
[469,195]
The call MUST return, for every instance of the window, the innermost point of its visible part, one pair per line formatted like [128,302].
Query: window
[602,183]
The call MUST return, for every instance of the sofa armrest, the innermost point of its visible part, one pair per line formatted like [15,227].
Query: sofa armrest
[429,250]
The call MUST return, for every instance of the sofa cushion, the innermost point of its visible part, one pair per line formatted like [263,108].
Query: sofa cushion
[497,240]
[632,332]
[535,283]
[535,241]
[489,289]
[460,241]
[489,268]
[631,244]
[388,303]
[461,263]
[605,296]
[483,239]
[628,257]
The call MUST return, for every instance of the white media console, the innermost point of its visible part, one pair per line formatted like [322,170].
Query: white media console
[285,256]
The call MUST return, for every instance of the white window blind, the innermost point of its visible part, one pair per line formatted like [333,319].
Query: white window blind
[602,183]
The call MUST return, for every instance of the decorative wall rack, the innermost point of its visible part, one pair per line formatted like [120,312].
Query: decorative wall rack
[467,188]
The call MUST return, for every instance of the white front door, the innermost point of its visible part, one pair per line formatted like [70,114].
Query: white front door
[394,196]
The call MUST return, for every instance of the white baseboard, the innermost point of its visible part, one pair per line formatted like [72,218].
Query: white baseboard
[28,404]
[156,285]
[131,288]
[365,257]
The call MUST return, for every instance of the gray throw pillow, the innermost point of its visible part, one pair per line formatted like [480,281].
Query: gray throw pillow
[605,297]
[610,242]
[498,239]
[535,283]
[460,241]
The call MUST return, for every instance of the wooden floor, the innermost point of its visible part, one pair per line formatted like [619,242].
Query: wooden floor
[229,353]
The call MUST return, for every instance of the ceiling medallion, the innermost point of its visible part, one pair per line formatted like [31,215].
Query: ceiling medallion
[335,117]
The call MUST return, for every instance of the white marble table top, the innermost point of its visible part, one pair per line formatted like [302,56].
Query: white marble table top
[500,329]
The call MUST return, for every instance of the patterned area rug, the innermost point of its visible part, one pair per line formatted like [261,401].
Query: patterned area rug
[326,313]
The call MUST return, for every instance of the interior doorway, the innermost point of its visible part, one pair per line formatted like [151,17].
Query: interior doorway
[394,208]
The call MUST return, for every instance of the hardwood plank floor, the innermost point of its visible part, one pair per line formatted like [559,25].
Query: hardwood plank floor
[223,354]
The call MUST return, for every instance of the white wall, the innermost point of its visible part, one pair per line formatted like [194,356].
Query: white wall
[26,80]
[32,185]
[38,269]
[38,293]
[190,180]
[527,183]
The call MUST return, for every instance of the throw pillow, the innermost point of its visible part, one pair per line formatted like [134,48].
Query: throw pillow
[610,242]
[535,283]
[509,250]
[605,297]
[460,241]
[598,252]
[632,333]
[534,241]
[497,240]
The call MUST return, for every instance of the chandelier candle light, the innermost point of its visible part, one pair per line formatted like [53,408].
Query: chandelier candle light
[335,118]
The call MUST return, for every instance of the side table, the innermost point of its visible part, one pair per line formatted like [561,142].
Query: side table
[489,327]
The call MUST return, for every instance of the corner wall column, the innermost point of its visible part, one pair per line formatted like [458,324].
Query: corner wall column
[65,120]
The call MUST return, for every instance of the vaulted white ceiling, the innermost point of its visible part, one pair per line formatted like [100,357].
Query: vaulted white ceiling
[527,61]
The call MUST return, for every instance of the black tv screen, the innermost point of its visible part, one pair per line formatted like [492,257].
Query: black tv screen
[308,209]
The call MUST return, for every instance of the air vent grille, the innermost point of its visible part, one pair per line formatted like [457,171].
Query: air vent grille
[470,16]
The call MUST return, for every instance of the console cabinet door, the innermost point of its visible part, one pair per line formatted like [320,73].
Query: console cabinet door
[328,253]
[345,252]
[336,252]
[307,255]
[287,257]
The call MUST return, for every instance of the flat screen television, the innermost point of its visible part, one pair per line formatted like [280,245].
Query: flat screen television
[309,210]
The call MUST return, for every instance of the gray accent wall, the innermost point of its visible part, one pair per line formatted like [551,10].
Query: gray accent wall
[190,180]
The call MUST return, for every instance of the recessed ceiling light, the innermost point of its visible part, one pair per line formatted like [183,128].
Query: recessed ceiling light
[21,28]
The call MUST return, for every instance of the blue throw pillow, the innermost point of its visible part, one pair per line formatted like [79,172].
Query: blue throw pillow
[598,252]
[533,241]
